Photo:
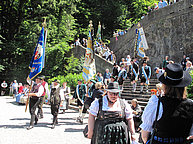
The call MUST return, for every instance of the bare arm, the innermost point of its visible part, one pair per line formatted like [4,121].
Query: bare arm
[145,135]
[91,121]
[131,128]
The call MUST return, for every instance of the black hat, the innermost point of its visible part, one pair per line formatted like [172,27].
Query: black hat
[113,87]
[39,77]
[174,76]
[58,81]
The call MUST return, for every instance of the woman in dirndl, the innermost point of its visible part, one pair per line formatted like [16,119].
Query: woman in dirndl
[109,117]
[65,98]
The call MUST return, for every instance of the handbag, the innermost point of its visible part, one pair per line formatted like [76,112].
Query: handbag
[88,102]
[155,122]
[85,131]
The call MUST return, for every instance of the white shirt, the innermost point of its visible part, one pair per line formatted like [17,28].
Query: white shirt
[47,90]
[94,108]
[61,91]
[149,114]
[63,97]
[4,85]
[40,90]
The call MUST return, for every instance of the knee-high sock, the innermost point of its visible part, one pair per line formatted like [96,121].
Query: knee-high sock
[146,87]
[141,89]
[134,86]
[83,115]
[80,112]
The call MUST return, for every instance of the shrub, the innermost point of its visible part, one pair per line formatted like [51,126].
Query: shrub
[190,87]
[71,79]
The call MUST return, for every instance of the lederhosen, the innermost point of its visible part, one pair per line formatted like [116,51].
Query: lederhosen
[121,74]
[55,101]
[175,123]
[110,127]
[33,104]
[81,91]
[133,76]
[40,112]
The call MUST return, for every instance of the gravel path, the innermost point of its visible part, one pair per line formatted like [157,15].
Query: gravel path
[14,120]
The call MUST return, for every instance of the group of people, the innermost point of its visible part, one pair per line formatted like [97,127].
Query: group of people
[57,97]
[167,118]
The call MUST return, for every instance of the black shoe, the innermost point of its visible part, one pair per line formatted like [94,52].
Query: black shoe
[30,127]
[41,117]
[36,121]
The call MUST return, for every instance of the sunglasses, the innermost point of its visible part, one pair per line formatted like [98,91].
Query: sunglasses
[115,94]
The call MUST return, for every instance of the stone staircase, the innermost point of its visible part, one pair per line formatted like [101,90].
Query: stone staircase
[142,99]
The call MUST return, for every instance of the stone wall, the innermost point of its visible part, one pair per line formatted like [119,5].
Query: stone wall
[101,63]
[169,31]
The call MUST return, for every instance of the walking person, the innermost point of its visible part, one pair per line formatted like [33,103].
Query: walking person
[15,88]
[42,98]
[165,62]
[122,76]
[145,76]
[134,74]
[65,99]
[11,89]
[55,100]
[169,118]
[35,94]
[109,117]
[3,88]
[79,94]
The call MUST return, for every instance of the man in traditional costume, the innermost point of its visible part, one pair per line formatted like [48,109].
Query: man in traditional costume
[55,100]
[134,74]
[79,94]
[145,76]
[35,94]
[42,98]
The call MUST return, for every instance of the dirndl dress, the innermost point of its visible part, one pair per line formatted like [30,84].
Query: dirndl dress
[110,128]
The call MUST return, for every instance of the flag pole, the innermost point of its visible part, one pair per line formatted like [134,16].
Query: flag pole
[27,102]
[45,31]
[137,31]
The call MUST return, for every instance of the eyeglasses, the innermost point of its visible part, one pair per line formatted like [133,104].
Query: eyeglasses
[115,94]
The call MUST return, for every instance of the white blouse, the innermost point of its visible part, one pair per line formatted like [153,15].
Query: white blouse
[149,114]
[94,108]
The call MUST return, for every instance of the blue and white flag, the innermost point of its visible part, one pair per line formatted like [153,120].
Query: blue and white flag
[141,43]
[37,61]
[89,69]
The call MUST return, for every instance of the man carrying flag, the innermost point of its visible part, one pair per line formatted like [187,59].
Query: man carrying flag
[36,66]
[89,70]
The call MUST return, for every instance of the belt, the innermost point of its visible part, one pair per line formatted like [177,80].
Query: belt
[169,140]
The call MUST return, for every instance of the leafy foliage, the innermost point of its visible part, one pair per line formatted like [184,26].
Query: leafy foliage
[71,79]
[66,20]
[190,87]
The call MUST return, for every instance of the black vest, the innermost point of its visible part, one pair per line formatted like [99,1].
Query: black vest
[55,96]
[177,118]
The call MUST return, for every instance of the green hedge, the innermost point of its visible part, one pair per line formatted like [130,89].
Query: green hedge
[71,79]
[190,87]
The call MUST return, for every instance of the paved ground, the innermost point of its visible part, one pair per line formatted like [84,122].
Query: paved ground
[14,120]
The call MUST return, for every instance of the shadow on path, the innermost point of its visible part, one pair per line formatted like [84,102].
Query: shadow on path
[73,130]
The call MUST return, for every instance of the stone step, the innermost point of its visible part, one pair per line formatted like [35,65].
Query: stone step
[134,96]
[144,99]
[138,87]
